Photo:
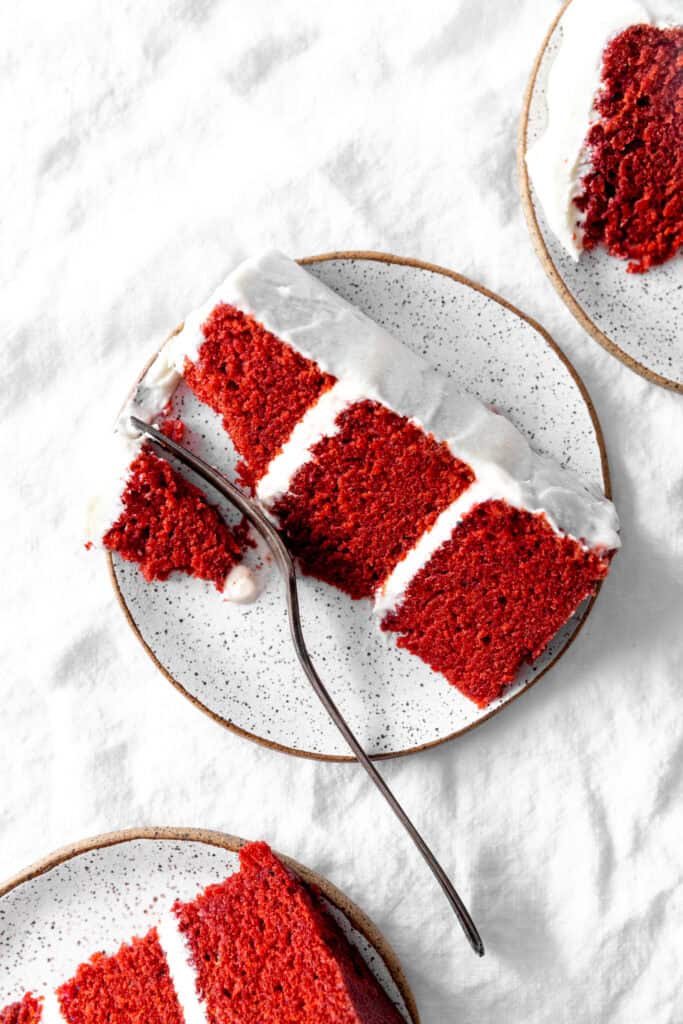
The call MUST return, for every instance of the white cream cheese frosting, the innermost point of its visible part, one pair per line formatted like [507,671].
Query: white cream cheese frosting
[559,160]
[369,363]
[241,585]
[180,969]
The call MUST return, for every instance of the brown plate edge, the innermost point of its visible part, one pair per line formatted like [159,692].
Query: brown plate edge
[381,257]
[541,248]
[360,921]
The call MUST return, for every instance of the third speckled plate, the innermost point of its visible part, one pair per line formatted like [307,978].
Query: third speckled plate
[101,892]
[236,661]
[636,317]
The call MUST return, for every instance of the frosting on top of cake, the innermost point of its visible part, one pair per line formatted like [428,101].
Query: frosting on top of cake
[369,362]
[559,160]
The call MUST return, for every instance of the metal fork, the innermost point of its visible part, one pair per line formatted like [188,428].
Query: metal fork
[286,566]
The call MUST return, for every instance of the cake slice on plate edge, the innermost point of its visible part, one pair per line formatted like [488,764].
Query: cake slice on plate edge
[258,947]
[607,169]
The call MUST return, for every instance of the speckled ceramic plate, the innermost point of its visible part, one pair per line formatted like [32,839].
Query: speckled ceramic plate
[237,663]
[636,317]
[99,893]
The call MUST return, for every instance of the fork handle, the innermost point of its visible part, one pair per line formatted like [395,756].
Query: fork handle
[461,911]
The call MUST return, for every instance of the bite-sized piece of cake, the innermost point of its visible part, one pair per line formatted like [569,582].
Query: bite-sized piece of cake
[131,987]
[168,525]
[370,462]
[609,168]
[165,524]
[265,950]
[259,948]
[26,1011]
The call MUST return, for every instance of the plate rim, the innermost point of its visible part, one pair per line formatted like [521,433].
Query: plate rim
[405,261]
[225,840]
[538,241]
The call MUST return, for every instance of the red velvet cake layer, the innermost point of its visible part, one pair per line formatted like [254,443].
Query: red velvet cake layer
[260,386]
[366,496]
[265,952]
[131,987]
[492,597]
[27,1011]
[633,196]
[167,524]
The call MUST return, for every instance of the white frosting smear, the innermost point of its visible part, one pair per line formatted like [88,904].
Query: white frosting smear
[559,161]
[51,1012]
[181,971]
[242,586]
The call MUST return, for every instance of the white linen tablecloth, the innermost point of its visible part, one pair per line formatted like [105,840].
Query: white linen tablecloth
[146,149]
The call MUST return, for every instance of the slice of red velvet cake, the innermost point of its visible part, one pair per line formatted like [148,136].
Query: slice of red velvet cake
[266,951]
[385,481]
[608,170]
[632,197]
[257,949]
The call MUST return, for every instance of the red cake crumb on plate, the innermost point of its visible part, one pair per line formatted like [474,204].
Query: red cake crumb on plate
[632,197]
[266,952]
[26,1011]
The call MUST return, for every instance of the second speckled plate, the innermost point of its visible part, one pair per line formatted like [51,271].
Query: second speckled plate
[101,892]
[237,662]
[636,317]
